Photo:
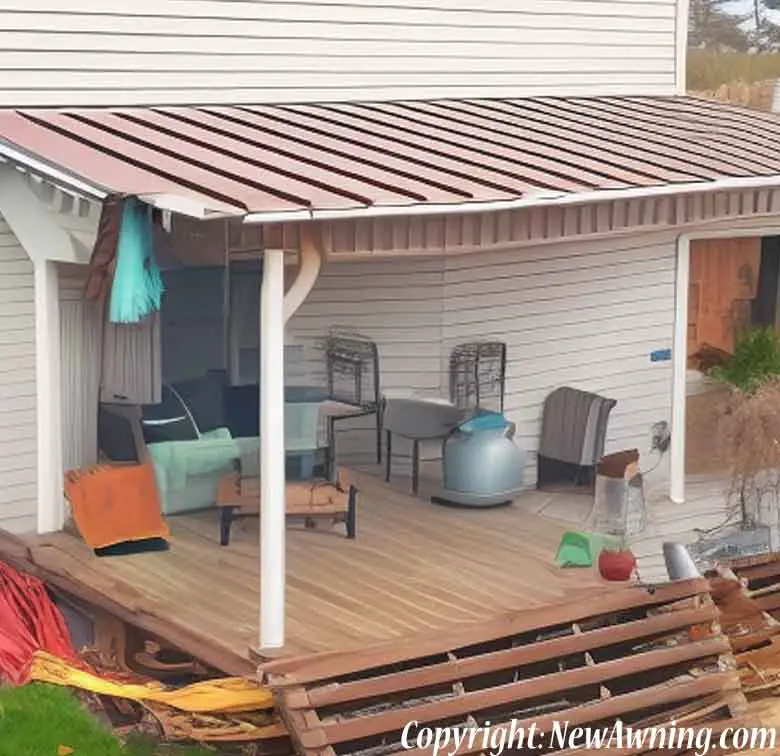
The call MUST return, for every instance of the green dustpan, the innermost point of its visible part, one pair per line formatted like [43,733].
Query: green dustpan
[578,549]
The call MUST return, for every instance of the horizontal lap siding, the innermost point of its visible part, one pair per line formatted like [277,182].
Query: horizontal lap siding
[398,304]
[107,52]
[18,428]
[81,335]
[580,315]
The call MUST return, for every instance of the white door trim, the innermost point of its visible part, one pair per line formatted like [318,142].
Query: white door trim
[680,345]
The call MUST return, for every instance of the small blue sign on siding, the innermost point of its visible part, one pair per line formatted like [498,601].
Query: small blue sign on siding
[661,355]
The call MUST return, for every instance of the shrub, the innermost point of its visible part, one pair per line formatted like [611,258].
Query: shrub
[748,425]
[756,361]
[749,435]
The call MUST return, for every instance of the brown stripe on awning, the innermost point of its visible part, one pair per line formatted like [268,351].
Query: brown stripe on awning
[607,167]
[271,160]
[310,161]
[626,148]
[88,163]
[622,119]
[699,121]
[427,150]
[279,134]
[146,155]
[471,146]
[252,183]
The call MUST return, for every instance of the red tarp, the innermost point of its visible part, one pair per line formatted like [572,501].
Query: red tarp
[29,622]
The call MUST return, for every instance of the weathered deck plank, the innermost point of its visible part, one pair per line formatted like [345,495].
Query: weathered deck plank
[414,566]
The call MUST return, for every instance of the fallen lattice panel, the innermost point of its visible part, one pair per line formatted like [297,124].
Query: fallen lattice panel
[641,655]
[761,577]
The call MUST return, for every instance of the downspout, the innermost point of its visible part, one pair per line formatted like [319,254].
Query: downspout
[680,370]
[308,270]
[276,309]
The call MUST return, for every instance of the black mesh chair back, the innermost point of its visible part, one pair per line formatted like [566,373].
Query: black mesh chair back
[352,365]
[352,370]
[478,375]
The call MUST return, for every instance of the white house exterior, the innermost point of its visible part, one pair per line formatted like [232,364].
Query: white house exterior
[581,313]
[586,284]
[170,52]
[18,430]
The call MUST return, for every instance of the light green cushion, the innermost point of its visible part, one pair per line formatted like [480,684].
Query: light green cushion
[177,461]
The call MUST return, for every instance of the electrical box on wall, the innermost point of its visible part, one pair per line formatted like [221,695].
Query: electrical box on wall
[660,437]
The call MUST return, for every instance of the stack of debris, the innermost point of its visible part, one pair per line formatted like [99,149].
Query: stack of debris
[747,593]
[703,652]
[36,646]
[640,655]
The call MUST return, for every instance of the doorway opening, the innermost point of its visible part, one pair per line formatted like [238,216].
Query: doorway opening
[734,285]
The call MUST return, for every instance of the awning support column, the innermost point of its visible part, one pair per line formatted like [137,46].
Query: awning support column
[679,372]
[272,459]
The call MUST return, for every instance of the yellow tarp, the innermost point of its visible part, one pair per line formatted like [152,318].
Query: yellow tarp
[223,696]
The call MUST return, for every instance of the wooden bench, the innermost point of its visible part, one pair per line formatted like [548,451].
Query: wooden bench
[239,496]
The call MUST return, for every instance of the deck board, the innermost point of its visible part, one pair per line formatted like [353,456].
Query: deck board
[414,566]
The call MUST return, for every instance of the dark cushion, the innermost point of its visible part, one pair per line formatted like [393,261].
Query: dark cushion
[203,397]
[115,437]
[242,406]
[168,420]
[242,410]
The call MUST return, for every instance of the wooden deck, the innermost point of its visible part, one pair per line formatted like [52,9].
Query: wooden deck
[705,508]
[413,566]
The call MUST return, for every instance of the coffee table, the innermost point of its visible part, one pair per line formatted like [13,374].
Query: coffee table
[239,497]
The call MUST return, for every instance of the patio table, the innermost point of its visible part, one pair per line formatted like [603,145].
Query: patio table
[419,420]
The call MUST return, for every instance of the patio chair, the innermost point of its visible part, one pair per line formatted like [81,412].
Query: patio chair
[574,430]
[352,363]
[478,375]
[477,378]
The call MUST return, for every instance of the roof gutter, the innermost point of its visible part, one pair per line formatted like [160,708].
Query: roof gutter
[540,199]
[69,181]
[65,179]
[187,206]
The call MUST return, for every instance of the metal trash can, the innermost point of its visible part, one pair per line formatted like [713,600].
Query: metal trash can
[619,505]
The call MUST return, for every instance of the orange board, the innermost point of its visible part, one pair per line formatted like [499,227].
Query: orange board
[723,284]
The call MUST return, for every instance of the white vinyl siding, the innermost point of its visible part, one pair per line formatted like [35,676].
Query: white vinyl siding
[81,347]
[107,52]
[397,303]
[586,315]
[18,429]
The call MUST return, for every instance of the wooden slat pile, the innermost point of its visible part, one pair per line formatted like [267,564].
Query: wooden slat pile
[742,619]
[747,592]
[761,576]
[636,654]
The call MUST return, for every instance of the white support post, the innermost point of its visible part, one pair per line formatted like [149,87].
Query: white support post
[51,503]
[680,370]
[272,473]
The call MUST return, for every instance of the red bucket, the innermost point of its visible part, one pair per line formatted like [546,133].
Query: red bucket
[617,566]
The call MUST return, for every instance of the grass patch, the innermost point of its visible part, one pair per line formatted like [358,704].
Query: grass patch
[36,719]
[708,70]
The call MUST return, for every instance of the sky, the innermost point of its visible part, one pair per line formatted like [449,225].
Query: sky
[746,6]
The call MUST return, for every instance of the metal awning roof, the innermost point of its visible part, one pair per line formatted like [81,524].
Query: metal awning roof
[277,162]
